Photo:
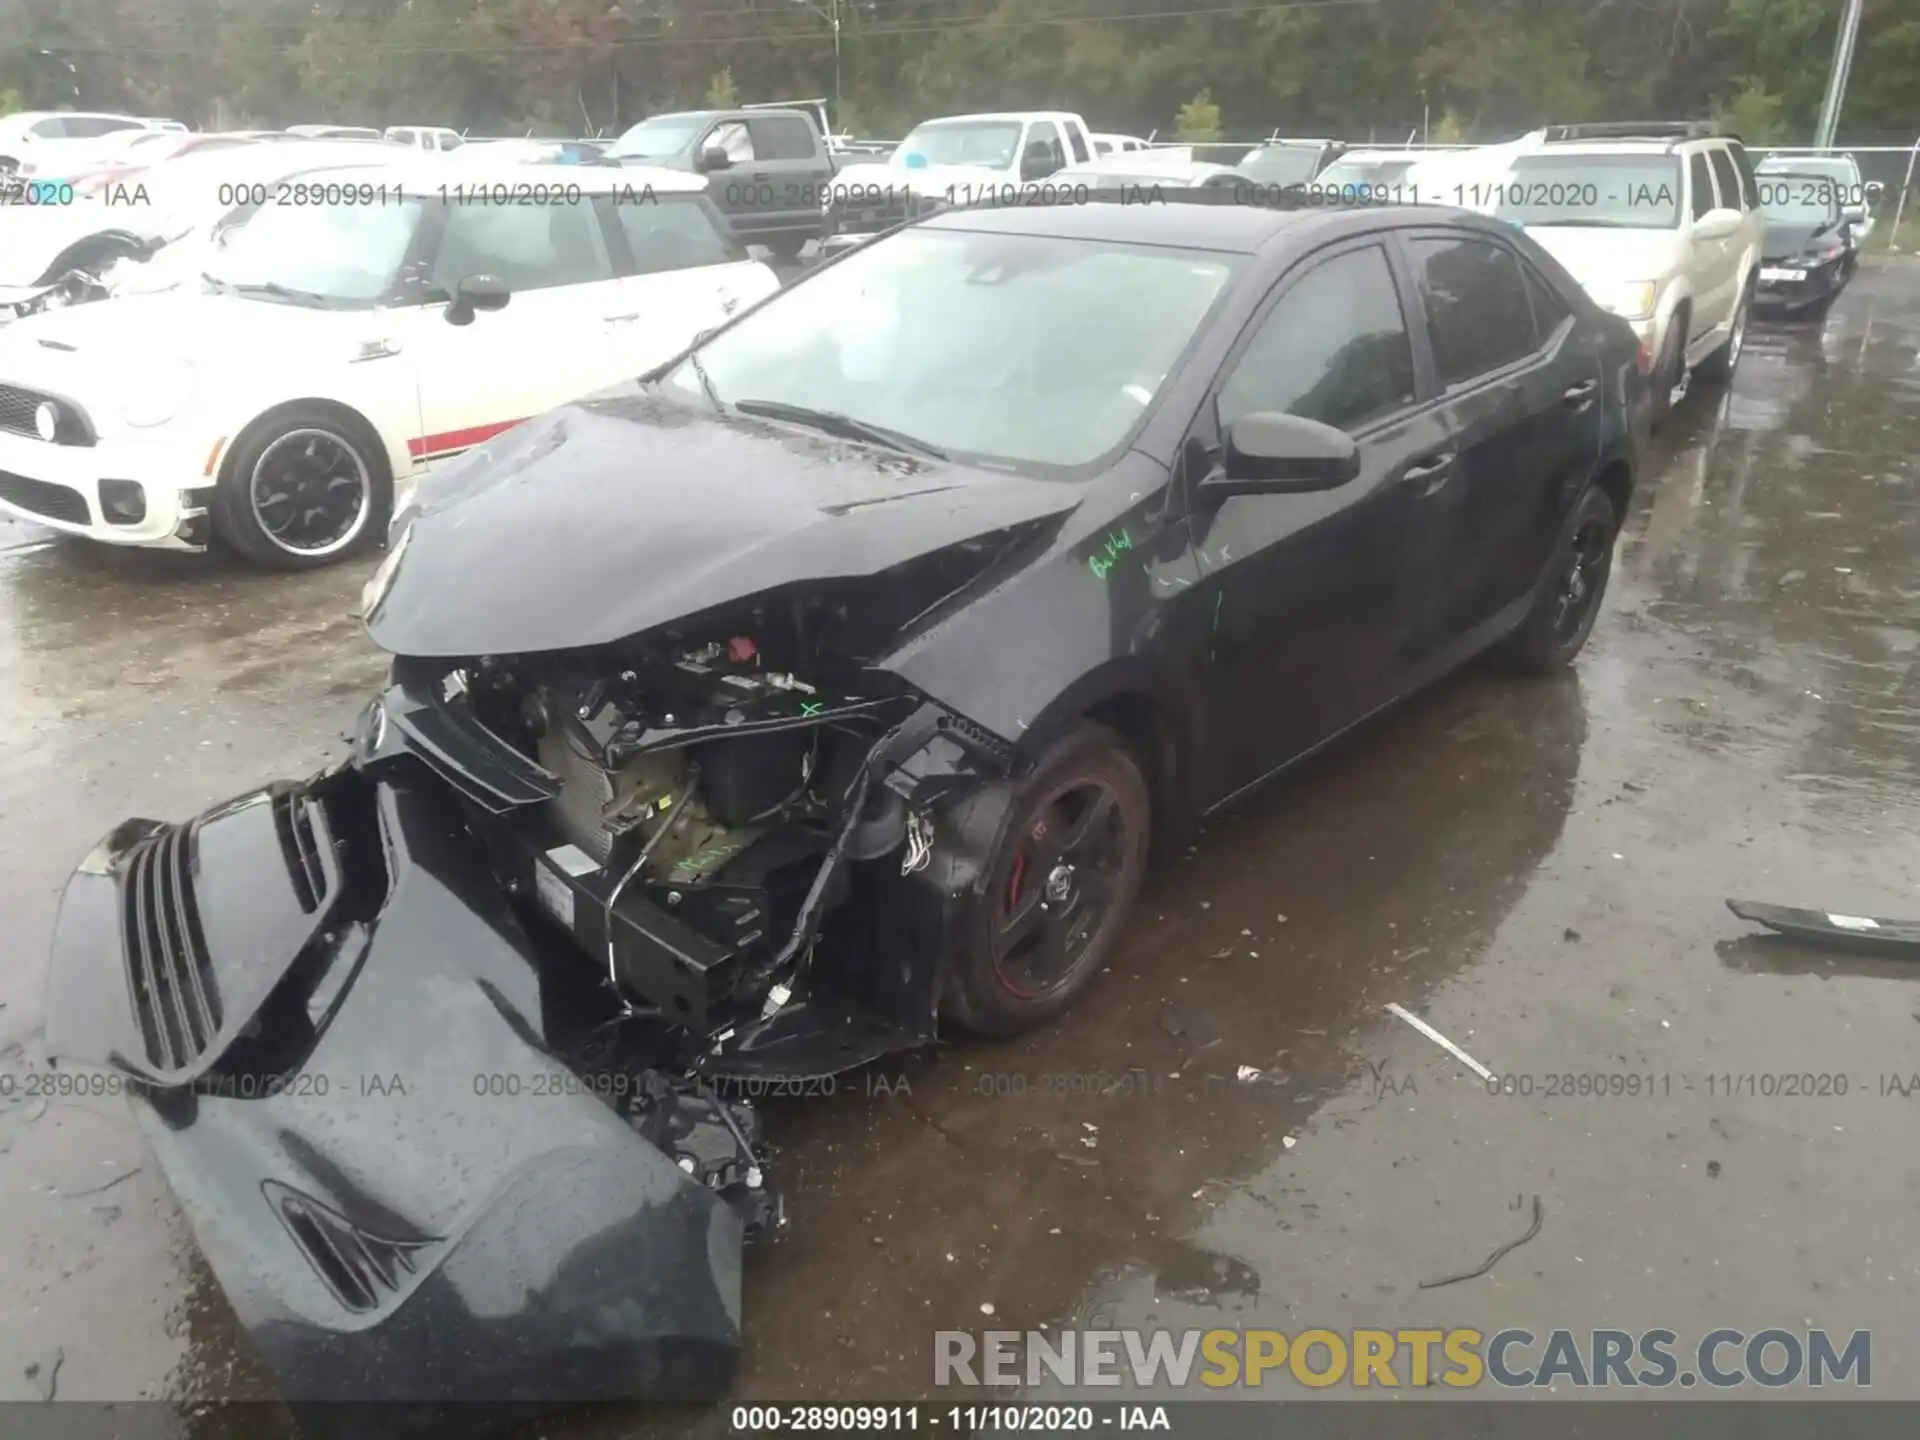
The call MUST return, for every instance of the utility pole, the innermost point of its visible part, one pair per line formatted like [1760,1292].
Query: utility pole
[1837,78]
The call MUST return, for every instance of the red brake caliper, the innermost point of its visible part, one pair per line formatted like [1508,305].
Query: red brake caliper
[1013,880]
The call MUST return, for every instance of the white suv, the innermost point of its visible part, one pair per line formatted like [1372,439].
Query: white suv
[1661,223]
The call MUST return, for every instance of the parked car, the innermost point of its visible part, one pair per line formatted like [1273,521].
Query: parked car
[347,343]
[151,229]
[1369,176]
[35,134]
[1106,144]
[1660,221]
[1289,162]
[1810,252]
[954,160]
[335,132]
[1133,171]
[424,137]
[1857,196]
[887,624]
[767,170]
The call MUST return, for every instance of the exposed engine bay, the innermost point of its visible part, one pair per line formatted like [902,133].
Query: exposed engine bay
[684,820]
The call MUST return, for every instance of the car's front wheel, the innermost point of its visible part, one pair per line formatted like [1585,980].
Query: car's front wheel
[1562,618]
[309,488]
[1058,889]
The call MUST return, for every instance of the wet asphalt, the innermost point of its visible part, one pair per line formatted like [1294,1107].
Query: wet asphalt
[1232,1130]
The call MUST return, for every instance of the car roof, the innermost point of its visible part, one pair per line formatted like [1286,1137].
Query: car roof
[1198,222]
[1373,157]
[1021,115]
[1651,147]
[1794,162]
[425,174]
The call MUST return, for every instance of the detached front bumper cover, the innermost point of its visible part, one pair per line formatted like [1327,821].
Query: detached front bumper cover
[393,1221]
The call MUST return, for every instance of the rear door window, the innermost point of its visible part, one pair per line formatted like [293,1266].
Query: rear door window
[1700,182]
[781,137]
[1727,178]
[1478,315]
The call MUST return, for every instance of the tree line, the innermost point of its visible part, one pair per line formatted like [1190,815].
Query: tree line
[1379,69]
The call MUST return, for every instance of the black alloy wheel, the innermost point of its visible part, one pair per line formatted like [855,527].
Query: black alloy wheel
[1058,888]
[1562,618]
[309,489]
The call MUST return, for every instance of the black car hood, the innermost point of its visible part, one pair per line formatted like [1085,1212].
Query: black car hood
[619,514]
[1785,239]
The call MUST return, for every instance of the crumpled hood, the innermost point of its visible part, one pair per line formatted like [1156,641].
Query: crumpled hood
[32,237]
[625,512]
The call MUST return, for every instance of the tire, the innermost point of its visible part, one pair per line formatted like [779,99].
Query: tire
[1084,809]
[1669,367]
[787,247]
[310,453]
[1718,367]
[1552,634]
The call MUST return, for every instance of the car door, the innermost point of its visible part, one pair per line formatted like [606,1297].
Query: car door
[794,172]
[1521,396]
[736,189]
[1734,195]
[1708,264]
[1309,594]
[554,340]
[684,272]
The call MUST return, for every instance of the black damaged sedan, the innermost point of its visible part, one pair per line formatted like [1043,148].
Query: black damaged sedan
[1809,253]
[813,698]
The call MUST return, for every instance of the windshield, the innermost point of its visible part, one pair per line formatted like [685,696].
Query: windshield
[1363,175]
[660,139]
[964,142]
[1837,168]
[339,253]
[1281,165]
[1614,192]
[1799,199]
[1005,348]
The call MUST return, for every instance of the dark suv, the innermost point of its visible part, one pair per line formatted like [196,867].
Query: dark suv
[768,170]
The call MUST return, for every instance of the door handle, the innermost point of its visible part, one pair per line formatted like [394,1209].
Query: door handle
[1581,395]
[617,319]
[1428,475]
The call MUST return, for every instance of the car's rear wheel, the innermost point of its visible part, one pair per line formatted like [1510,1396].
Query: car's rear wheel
[309,488]
[1719,366]
[1059,887]
[1562,618]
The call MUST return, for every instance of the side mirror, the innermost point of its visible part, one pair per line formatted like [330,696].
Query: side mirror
[711,159]
[1716,224]
[476,293]
[1273,454]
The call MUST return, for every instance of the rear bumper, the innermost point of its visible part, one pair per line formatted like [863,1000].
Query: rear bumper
[406,1195]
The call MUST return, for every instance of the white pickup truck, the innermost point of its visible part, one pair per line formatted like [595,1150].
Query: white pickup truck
[954,160]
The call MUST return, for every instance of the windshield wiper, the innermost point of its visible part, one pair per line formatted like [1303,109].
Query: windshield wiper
[706,381]
[834,423]
[281,292]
